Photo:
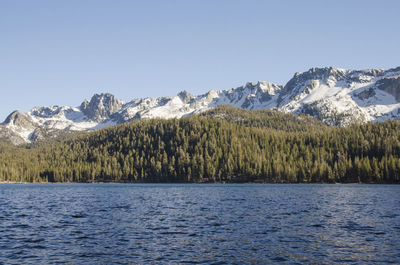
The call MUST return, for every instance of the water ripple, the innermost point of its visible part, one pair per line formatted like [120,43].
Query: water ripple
[199,224]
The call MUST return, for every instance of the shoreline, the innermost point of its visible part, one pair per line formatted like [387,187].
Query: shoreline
[199,183]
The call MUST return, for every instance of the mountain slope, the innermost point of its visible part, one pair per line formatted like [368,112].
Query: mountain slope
[332,95]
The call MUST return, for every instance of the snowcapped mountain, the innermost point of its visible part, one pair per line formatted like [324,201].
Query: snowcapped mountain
[341,97]
[335,96]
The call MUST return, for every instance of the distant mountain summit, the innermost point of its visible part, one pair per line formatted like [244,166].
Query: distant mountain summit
[101,107]
[335,96]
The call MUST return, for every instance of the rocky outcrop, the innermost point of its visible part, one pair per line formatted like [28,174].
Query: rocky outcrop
[101,106]
[185,96]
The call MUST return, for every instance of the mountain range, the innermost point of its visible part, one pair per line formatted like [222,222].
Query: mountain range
[335,96]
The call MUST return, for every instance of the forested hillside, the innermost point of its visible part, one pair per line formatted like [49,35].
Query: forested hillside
[265,118]
[222,145]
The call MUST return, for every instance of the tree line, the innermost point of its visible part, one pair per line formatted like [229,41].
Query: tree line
[223,145]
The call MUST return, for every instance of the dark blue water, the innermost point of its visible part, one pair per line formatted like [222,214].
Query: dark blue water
[209,224]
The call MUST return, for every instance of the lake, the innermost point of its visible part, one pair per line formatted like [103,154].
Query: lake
[199,223]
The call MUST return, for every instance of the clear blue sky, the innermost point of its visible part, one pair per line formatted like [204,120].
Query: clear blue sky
[60,52]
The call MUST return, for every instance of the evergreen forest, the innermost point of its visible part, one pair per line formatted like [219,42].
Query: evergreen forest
[223,145]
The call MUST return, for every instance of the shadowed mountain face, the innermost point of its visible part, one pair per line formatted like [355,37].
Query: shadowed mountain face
[334,96]
[390,85]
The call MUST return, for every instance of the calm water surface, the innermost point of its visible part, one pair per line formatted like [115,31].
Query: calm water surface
[207,224]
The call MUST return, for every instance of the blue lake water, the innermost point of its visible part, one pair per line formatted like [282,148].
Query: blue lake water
[205,224]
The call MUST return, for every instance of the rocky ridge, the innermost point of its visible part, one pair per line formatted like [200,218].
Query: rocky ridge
[335,96]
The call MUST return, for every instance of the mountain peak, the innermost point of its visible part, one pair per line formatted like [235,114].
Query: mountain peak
[12,117]
[324,73]
[100,106]
[17,118]
[185,96]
